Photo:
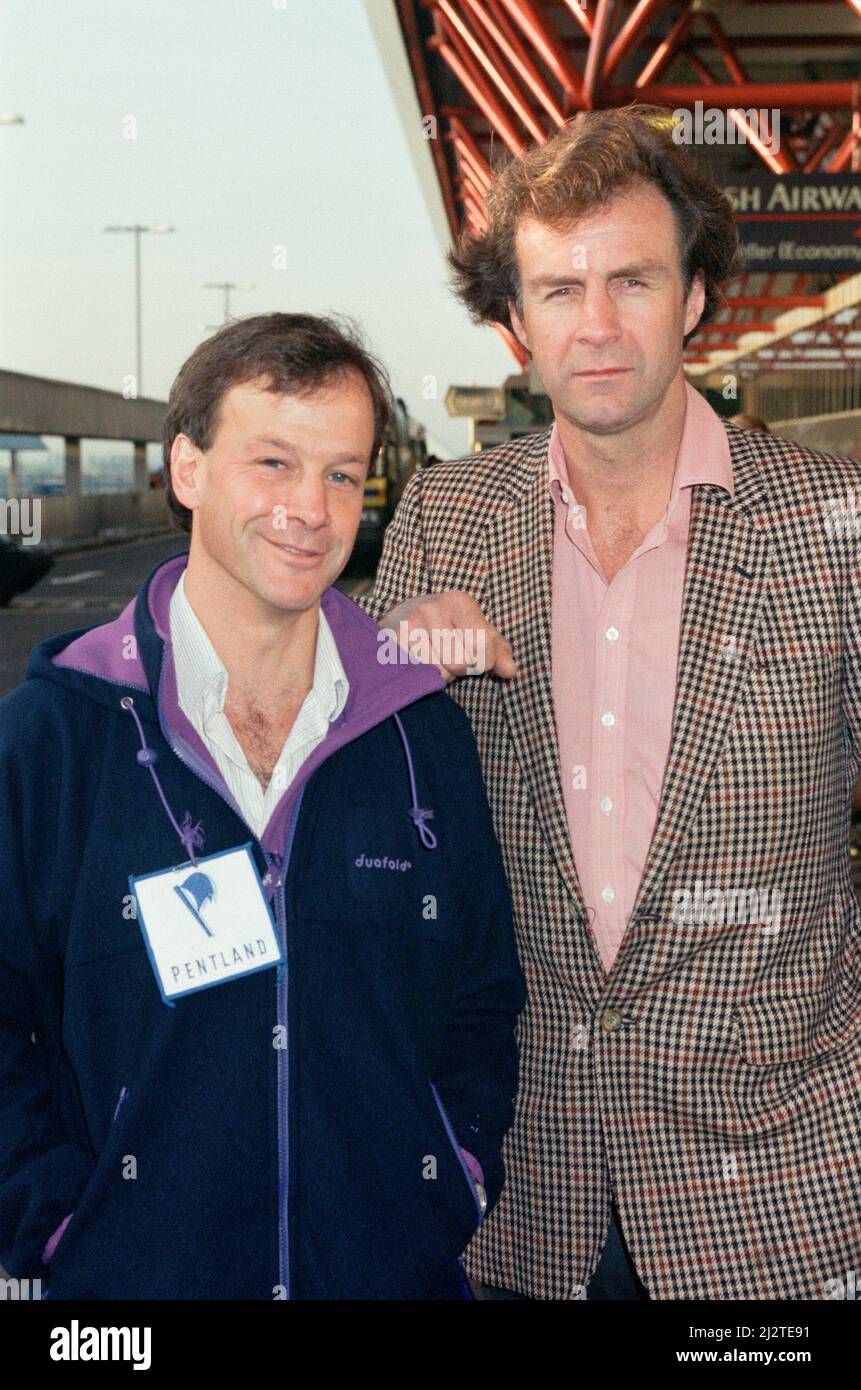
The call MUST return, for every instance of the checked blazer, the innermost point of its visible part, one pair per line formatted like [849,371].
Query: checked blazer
[712,1081]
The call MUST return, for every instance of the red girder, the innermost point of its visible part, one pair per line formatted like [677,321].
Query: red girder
[546,43]
[466,184]
[805,96]
[843,156]
[460,131]
[734,330]
[644,14]
[722,43]
[505,36]
[460,61]
[521,82]
[666,49]
[581,15]
[473,203]
[412,39]
[480,179]
[767,293]
[775,301]
[593,77]
[483,99]
[825,146]
[780,162]
[493,64]
[698,66]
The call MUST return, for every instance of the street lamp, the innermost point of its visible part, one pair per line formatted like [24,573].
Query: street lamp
[6,118]
[226,286]
[137,228]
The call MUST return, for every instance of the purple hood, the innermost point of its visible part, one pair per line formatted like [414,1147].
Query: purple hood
[134,652]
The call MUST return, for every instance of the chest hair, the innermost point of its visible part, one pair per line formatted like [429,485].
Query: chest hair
[260,734]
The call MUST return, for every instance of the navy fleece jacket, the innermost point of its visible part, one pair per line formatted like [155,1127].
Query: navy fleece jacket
[292,1133]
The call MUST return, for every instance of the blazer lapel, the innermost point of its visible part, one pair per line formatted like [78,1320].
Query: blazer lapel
[519,542]
[726,580]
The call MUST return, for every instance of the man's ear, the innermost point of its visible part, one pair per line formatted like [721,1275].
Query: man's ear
[518,326]
[696,302]
[184,465]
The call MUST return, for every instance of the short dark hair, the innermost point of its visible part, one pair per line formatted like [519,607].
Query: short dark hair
[295,353]
[595,158]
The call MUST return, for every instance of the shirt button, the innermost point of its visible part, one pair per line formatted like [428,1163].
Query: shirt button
[608,894]
[611,634]
[606,804]
[608,718]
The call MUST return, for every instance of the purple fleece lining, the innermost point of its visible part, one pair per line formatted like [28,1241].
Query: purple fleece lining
[54,1240]
[376,689]
[99,652]
[473,1165]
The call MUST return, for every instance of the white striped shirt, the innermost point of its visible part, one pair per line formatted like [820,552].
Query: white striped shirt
[201,681]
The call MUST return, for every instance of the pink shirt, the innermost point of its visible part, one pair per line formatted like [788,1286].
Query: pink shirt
[614,657]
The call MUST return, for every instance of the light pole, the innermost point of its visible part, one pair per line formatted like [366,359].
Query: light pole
[138,228]
[226,286]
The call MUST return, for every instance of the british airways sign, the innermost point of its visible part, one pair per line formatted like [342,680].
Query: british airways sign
[798,221]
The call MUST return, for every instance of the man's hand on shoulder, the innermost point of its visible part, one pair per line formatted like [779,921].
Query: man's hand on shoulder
[450,631]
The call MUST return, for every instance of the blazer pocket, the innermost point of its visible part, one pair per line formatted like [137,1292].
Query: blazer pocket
[780,668]
[770,1031]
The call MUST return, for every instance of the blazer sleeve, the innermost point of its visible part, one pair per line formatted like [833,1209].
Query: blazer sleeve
[402,572]
[852,648]
[44,1166]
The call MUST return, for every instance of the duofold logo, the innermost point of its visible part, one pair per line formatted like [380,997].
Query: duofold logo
[366,861]
[194,893]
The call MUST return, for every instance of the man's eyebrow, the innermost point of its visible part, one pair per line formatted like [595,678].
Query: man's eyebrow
[348,458]
[273,442]
[643,267]
[284,445]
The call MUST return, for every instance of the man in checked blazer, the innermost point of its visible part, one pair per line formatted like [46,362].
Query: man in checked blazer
[669,721]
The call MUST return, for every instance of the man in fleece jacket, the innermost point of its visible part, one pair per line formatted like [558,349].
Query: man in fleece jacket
[258,981]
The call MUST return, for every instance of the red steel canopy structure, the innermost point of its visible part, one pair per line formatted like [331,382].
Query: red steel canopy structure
[509,73]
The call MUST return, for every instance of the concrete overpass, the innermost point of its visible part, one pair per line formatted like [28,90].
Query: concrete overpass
[39,405]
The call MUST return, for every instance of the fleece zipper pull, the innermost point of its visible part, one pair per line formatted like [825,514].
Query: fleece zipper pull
[191,836]
[418,814]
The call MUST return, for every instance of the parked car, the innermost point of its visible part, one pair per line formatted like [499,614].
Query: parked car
[21,566]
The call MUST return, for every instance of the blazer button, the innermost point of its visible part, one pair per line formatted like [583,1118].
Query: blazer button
[611,1019]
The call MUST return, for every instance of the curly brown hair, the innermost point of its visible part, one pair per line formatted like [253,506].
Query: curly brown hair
[597,156]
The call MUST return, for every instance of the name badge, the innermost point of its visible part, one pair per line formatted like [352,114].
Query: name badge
[207,924]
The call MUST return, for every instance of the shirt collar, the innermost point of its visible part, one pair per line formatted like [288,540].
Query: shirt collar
[330,679]
[703,457]
[201,675]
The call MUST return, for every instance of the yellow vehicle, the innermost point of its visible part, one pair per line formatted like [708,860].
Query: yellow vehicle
[404,450]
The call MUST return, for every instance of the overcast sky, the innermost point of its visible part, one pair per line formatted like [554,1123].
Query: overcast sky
[257,124]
